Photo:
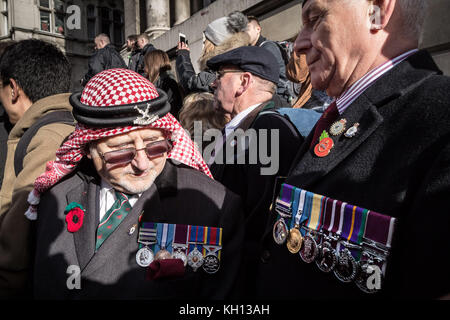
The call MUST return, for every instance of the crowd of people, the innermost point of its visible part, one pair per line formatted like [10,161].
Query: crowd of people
[317,170]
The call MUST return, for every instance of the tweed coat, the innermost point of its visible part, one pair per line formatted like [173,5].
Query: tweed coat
[180,195]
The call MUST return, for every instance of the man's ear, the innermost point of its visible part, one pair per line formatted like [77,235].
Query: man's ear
[380,13]
[16,91]
[246,80]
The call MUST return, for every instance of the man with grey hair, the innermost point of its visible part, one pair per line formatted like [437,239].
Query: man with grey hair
[366,200]
[105,57]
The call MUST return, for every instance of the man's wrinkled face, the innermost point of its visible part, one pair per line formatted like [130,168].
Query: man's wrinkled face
[333,37]
[136,176]
[226,87]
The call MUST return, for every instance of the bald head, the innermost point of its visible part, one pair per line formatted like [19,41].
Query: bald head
[101,41]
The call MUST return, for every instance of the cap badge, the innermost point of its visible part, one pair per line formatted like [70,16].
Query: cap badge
[145,118]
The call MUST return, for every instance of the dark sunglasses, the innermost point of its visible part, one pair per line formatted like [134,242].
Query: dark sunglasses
[153,150]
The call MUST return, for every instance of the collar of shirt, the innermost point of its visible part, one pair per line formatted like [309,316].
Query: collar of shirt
[234,123]
[107,198]
[350,95]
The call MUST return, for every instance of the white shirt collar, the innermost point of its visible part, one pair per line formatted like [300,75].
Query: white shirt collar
[234,123]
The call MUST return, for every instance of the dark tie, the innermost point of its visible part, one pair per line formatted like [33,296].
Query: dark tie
[326,120]
[112,218]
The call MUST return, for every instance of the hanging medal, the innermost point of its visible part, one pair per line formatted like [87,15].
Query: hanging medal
[211,250]
[323,148]
[326,259]
[295,238]
[147,238]
[164,239]
[351,132]
[283,206]
[195,256]
[309,250]
[338,127]
[179,246]
[376,245]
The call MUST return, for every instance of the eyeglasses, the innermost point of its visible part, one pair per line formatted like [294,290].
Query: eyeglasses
[153,150]
[221,73]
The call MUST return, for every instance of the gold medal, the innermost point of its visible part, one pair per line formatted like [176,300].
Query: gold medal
[294,240]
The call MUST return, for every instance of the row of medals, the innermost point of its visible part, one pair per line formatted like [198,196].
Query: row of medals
[318,247]
[195,259]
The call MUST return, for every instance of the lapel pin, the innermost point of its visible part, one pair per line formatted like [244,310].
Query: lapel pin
[338,127]
[323,148]
[351,132]
[132,230]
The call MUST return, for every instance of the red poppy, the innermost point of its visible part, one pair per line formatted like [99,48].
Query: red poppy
[74,219]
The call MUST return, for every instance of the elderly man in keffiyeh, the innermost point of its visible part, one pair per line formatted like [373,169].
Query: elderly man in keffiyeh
[130,203]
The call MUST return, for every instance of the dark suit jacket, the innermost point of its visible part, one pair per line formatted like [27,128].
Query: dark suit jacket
[246,179]
[398,164]
[180,195]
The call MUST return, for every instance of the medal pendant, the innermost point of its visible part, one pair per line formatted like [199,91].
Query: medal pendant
[338,127]
[211,263]
[280,232]
[351,132]
[179,254]
[346,268]
[369,279]
[323,148]
[195,259]
[326,260]
[294,240]
[163,254]
[309,250]
[144,257]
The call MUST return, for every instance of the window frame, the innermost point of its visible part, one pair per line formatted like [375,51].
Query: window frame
[53,13]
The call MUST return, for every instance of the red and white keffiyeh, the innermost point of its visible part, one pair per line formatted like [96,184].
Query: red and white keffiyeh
[113,87]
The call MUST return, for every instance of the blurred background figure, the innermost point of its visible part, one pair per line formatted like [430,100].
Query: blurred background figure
[133,52]
[158,69]
[144,45]
[200,107]
[220,36]
[105,57]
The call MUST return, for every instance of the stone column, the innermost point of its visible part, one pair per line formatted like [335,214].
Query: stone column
[131,17]
[182,11]
[197,5]
[158,17]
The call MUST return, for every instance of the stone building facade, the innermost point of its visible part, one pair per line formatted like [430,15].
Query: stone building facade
[71,25]
[280,20]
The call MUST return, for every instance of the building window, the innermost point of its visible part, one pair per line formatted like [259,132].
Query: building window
[91,22]
[118,26]
[111,24]
[52,16]
[4,28]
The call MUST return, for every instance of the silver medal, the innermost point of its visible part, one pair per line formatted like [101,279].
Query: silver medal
[280,231]
[144,257]
[179,254]
[211,263]
[346,268]
[326,260]
[309,250]
[195,259]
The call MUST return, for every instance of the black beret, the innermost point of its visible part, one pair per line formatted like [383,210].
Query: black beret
[256,60]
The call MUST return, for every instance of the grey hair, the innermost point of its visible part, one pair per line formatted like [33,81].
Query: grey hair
[103,37]
[264,85]
[413,13]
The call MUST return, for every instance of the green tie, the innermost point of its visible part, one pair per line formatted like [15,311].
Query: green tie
[112,218]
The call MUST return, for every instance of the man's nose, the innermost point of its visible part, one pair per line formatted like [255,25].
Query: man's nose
[302,42]
[141,160]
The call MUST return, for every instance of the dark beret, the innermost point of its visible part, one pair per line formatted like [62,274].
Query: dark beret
[256,60]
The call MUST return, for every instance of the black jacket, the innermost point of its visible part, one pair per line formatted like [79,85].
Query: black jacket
[166,81]
[282,86]
[180,195]
[249,180]
[398,164]
[189,80]
[103,59]
[134,59]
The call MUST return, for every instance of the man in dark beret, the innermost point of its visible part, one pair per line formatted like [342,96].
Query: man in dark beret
[258,143]
[379,159]
[129,208]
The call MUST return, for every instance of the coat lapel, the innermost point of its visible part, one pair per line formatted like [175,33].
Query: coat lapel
[309,168]
[87,196]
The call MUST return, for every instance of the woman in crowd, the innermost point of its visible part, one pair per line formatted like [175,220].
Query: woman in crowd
[220,36]
[157,66]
